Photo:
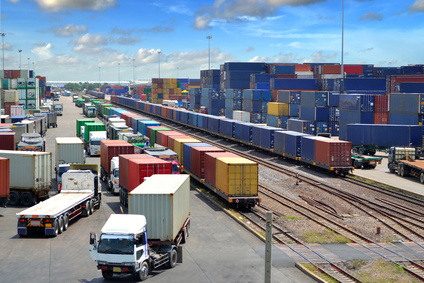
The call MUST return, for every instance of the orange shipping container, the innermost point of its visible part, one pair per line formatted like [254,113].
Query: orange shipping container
[331,69]
[179,143]
[171,140]
[302,68]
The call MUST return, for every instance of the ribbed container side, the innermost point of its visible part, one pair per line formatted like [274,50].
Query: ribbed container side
[404,118]
[333,99]
[178,146]
[308,147]
[301,126]
[69,150]
[124,177]
[138,169]
[313,113]
[187,150]
[4,177]
[198,159]
[112,148]
[154,132]
[162,137]
[381,103]
[36,165]
[267,137]
[405,103]
[134,122]
[314,98]
[210,164]
[142,126]
[287,96]
[172,138]
[7,141]
[237,176]
[334,128]
[256,135]
[278,109]
[293,144]
[127,117]
[80,123]
[333,153]
[165,202]
[92,127]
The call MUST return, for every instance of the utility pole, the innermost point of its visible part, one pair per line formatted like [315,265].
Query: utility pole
[268,247]
[20,61]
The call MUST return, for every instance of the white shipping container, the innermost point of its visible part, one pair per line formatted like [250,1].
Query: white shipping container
[13,83]
[330,76]
[31,93]
[69,150]
[16,110]
[21,83]
[11,96]
[33,83]
[165,202]
[241,116]
[29,170]
[22,93]
[24,74]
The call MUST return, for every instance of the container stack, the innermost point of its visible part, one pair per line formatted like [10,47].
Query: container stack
[210,79]
[236,75]
[314,107]
[10,98]
[261,81]
[163,88]
[195,98]
[279,118]
[216,102]
[407,84]
[233,102]
[293,84]
[256,101]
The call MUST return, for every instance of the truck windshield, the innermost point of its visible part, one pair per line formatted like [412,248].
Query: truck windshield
[32,140]
[95,142]
[116,173]
[175,168]
[114,245]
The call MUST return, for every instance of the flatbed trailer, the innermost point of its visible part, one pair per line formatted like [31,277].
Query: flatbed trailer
[366,162]
[338,170]
[411,168]
[52,216]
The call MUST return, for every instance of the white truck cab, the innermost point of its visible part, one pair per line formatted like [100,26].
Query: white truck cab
[94,144]
[122,246]
[113,182]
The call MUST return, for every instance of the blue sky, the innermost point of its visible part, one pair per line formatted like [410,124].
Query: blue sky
[70,39]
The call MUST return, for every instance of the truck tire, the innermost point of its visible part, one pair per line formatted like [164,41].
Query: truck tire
[60,222]
[65,222]
[391,170]
[402,171]
[422,177]
[357,165]
[27,199]
[13,198]
[56,228]
[144,271]
[173,257]
[107,274]
[91,207]
[361,151]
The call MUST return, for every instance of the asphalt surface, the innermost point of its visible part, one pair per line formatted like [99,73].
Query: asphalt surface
[218,249]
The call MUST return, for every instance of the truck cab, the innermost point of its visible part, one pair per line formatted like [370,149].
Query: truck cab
[60,170]
[31,142]
[165,153]
[94,143]
[113,182]
[58,108]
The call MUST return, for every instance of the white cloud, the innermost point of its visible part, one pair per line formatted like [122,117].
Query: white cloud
[43,52]
[418,6]
[372,17]
[69,30]
[63,5]
[91,40]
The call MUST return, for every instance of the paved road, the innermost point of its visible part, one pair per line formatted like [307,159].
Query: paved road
[218,249]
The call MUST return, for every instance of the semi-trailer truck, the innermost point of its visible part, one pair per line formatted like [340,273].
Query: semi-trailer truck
[80,195]
[31,142]
[403,161]
[113,180]
[68,150]
[150,236]
[93,146]
[30,176]
[108,150]
[4,181]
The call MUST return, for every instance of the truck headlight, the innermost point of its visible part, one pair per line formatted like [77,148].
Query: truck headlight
[101,262]
[129,263]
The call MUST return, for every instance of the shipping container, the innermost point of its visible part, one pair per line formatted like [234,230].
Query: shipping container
[7,141]
[4,179]
[308,148]
[186,158]
[112,148]
[162,137]
[69,150]
[142,126]
[179,143]
[210,165]
[162,199]
[278,109]
[198,155]
[301,126]
[293,144]
[236,176]
[80,123]
[332,153]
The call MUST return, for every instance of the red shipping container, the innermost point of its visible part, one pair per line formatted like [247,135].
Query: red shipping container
[4,177]
[8,74]
[381,117]
[124,177]
[7,141]
[149,128]
[198,159]
[333,153]
[7,106]
[353,69]
[16,74]
[127,117]
[162,137]
[381,103]
[210,165]
[112,148]
[404,79]
[138,169]
[331,69]
[302,68]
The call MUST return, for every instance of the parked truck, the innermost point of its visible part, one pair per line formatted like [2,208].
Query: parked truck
[165,153]
[403,161]
[68,150]
[52,120]
[4,181]
[86,133]
[80,195]
[150,236]
[113,180]
[93,146]
[31,142]
[30,176]
[108,150]
[58,108]
[364,161]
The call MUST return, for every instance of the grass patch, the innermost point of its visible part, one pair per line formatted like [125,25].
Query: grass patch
[328,236]
[380,271]
[315,270]
[291,217]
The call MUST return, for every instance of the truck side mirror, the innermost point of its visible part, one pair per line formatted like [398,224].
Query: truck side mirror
[93,238]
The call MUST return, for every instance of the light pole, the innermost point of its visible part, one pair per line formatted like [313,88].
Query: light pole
[342,69]
[2,36]
[20,61]
[28,64]
[159,52]
[99,78]
[177,72]
[133,70]
[33,68]
[119,73]
[209,37]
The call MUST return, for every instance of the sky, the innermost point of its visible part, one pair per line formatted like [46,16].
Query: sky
[122,40]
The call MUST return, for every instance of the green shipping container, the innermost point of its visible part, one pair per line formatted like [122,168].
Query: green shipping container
[154,132]
[80,123]
[147,90]
[92,127]
[107,110]
[102,111]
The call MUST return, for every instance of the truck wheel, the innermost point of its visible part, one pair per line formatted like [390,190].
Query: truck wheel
[144,271]
[13,198]
[361,151]
[26,199]
[391,170]
[173,257]
[65,222]
[107,274]
[422,177]
[357,165]
[56,228]
[402,171]
[60,222]
[91,207]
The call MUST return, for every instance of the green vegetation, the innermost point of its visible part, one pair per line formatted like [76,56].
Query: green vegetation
[328,236]
[291,217]
[381,271]
[81,86]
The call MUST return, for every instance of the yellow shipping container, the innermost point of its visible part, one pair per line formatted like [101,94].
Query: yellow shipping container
[278,109]
[178,146]
[166,90]
[236,176]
